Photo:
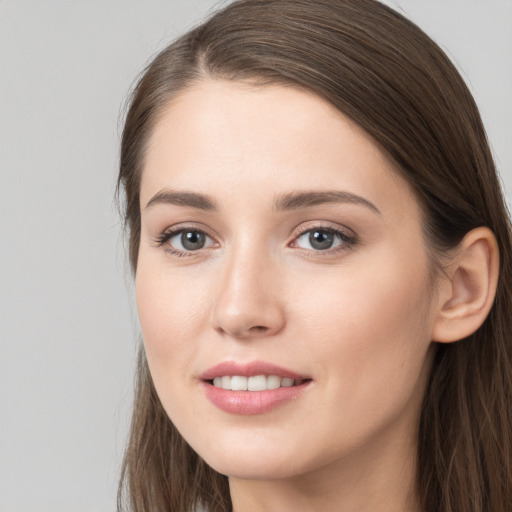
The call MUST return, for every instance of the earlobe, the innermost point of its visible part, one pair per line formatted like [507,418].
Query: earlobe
[468,293]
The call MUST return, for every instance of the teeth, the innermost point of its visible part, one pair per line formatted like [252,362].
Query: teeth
[273,382]
[286,383]
[256,383]
[239,383]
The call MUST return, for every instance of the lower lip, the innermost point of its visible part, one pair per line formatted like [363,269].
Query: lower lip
[251,402]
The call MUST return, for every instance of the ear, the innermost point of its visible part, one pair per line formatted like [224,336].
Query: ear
[468,287]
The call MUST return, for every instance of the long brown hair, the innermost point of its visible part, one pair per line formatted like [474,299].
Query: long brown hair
[382,71]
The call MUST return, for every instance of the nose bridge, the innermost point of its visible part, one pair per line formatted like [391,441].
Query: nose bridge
[248,303]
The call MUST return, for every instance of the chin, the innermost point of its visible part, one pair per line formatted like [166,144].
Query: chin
[257,468]
[257,459]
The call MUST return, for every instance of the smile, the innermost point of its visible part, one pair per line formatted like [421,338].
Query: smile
[252,388]
[255,383]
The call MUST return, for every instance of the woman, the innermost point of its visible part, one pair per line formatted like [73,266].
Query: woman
[316,231]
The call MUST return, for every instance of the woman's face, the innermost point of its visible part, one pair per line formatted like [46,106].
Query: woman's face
[279,246]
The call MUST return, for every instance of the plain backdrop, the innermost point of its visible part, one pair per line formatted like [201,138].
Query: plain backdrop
[68,330]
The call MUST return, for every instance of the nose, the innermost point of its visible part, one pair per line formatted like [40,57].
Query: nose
[249,302]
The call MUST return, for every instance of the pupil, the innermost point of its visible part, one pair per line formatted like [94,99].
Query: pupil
[192,240]
[321,239]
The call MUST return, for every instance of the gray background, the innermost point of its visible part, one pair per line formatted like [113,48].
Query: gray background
[67,325]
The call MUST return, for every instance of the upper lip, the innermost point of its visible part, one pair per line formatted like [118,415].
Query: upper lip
[249,369]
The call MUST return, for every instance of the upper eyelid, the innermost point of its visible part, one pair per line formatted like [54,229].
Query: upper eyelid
[304,227]
[178,228]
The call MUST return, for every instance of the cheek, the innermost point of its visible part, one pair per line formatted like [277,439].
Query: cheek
[371,331]
[368,300]
[172,314]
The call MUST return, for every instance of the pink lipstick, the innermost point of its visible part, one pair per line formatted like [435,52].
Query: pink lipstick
[253,388]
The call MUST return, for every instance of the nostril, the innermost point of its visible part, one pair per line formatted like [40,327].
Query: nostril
[258,329]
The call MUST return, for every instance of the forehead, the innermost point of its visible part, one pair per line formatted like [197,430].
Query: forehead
[221,136]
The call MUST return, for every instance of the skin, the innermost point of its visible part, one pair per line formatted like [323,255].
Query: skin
[357,319]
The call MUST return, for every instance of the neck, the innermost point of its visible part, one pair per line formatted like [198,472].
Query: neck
[370,478]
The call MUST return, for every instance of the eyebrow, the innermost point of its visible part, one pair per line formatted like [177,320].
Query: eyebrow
[296,200]
[290,201]
[190,199]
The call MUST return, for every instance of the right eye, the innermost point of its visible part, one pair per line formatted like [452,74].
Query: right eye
[185,241]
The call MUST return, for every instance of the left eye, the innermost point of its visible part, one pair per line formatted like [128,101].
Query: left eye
[189,240]
[321,239]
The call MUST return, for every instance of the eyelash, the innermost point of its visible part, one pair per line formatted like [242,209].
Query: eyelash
[347,241]
[165,236]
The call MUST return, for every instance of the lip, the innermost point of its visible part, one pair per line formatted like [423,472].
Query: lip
[249,369]
[251,402]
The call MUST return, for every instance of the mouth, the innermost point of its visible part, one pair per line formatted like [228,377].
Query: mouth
[254,383]
[252,388]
